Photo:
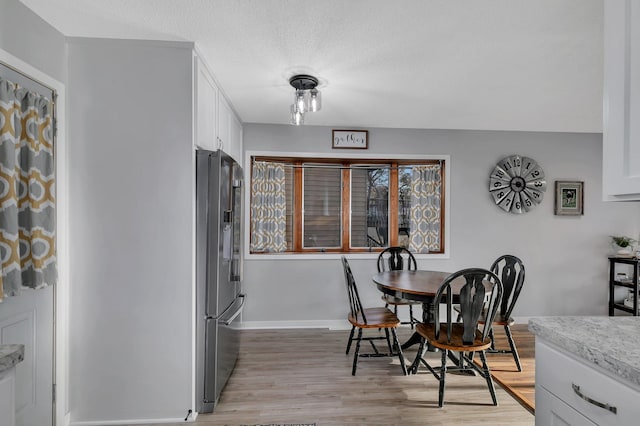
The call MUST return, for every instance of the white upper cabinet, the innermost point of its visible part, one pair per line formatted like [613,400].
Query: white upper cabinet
[224,125]
[229,130]
[206,105]
[236,139]
[217,126]
[621,106]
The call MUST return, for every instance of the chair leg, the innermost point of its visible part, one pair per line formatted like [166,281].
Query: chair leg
[416,363]
[412,320]
[493,342]
[487,376]
[396,344]
[357,352]
[353,328]
[443,372]
[386,333]
[512,344]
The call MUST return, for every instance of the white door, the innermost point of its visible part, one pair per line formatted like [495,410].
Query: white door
[27,319]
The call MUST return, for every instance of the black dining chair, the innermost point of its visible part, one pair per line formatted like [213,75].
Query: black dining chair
[510,269]
[395,259]
[481,292]
[363,318]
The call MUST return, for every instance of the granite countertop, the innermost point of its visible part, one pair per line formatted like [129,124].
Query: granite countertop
[612,343]
[10,355]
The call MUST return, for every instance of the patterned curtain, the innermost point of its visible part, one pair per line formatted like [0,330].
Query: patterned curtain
[268,208]
[27,191]
[426,186]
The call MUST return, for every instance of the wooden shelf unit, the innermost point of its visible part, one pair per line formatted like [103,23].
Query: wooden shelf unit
[613,284]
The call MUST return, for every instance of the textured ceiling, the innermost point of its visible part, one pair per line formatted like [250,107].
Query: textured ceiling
[465,64]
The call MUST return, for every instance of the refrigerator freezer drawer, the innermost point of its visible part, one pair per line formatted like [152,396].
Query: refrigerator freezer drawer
[229,338]
[221,352]
[210,362]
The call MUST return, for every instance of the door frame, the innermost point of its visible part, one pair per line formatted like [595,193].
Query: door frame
[61,415]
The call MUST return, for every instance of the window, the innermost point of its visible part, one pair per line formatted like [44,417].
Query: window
[311,205]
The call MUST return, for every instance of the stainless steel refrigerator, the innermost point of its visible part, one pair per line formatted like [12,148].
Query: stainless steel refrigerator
[219,298]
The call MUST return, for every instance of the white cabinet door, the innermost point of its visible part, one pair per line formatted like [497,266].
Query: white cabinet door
[27,319]
[8,397]
[236,138]
[621,106]
[206,94]
[224,125]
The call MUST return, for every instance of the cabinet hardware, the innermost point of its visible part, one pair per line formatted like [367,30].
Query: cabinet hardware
[606,406]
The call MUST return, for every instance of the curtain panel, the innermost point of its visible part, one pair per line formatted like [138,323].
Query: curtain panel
[426,188]
[27,190]
[268,208]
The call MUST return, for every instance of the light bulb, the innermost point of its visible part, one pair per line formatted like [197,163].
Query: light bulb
[301,101]
[315,100]
[297,118]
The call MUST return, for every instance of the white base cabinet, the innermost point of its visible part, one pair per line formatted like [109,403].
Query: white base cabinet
[570,391]
[621,103]
[8,397]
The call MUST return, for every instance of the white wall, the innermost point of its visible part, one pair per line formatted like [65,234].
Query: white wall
[40,51]
[132,184]
[565,257]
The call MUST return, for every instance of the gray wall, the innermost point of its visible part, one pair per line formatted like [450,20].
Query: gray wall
[565,256]
[132,186]
[26,36]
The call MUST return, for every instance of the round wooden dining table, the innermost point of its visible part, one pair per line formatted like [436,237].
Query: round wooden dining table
[419,286]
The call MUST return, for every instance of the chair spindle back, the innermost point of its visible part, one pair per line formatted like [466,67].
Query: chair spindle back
[510,269]
[473,301]
[355,305]
[396,259]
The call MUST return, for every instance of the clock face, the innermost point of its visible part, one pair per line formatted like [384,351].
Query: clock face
[517,184]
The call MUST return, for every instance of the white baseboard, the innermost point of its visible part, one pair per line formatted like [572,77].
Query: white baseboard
[134,422]
[330,324]
[522,320]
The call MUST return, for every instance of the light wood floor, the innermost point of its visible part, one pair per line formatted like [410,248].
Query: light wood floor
[520,384]
[304,376]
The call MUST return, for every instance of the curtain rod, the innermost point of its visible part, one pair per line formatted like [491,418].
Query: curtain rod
[25,75]
[340,167]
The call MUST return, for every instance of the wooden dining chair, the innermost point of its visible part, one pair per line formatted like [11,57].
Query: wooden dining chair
[510,269]
[482,291]
[395,259]
[361,318]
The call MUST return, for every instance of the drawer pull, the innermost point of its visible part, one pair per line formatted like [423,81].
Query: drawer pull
[576,389]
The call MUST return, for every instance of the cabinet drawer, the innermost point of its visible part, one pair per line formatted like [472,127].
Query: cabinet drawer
[551,411]
[558,372]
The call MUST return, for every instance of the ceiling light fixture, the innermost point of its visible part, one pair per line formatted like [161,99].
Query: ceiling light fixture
[307,98]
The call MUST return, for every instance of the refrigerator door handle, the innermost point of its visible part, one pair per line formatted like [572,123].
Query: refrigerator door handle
[237,312]
[236,256]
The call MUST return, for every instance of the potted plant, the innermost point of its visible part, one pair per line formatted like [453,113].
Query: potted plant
[623,245]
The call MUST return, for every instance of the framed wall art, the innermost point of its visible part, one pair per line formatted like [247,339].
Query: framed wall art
[350,139]
[569,198]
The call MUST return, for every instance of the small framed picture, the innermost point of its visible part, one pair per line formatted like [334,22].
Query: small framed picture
[569,198]
[350,139]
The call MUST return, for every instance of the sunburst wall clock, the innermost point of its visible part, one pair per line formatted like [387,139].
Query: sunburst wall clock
[517,184]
